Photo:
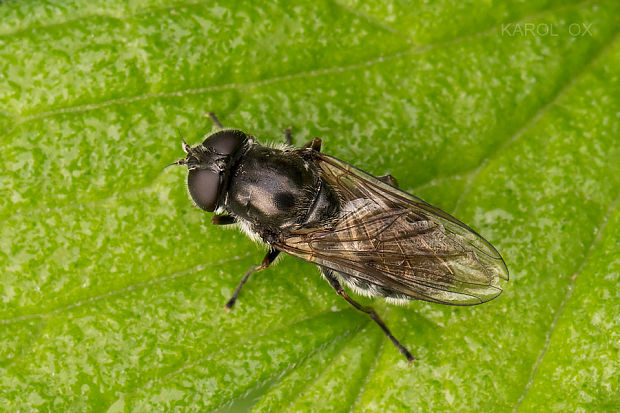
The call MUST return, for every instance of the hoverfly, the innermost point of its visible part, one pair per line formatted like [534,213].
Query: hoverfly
[360,230]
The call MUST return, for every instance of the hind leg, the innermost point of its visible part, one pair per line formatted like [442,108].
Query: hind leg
[389,179]
[329,275]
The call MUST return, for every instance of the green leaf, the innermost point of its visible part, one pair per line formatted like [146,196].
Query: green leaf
[506,114]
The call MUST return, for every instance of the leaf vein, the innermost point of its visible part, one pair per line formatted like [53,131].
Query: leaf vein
[418,49]
[120,292]
[567,296]
[193,363]
[369,373]
[371,20]
[531,121]
[317,378]
[84,17]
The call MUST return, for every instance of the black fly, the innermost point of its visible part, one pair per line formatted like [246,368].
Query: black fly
[360,230]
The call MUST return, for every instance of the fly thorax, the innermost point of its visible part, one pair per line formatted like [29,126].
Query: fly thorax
[272,189]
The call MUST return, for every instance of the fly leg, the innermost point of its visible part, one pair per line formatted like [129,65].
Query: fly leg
[389,179]
[314,143]
[269,258]
[222,220]
[288,138]
[215,120]
[329,275]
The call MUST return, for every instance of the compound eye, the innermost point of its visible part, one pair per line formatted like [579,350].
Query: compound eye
[226,142]
[203,186]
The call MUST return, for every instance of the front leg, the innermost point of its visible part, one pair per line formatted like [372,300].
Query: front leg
[269,258]
[314,143]
[215,120]
[288,138]
[223,220]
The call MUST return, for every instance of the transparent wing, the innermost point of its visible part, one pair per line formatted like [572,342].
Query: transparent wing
[395,242]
